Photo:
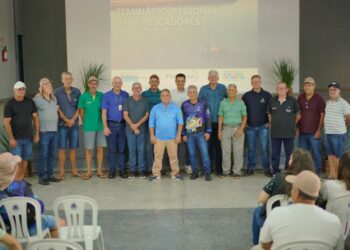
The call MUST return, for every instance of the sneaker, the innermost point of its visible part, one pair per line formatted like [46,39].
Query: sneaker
[44,181]
[237,176]
[267,173]
[131,176]
[249,172]
[208,177]
[142,175]
[176,177]
[194,176]
[188,169]
[123,175]
[53,179]
[154,178]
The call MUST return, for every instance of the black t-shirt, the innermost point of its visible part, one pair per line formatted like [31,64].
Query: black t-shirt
[21,117]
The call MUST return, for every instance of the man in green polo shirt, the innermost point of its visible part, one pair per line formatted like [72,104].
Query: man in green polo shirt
[90,112]
[232,121]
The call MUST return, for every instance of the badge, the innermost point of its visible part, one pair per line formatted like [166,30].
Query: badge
[120,107]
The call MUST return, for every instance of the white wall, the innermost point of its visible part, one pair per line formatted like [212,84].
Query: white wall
[8,72]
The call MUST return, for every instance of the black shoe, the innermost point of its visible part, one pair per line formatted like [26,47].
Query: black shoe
[208,177]
[268,173]
[249,173]
[53,179]
[194,176]
[44,181]
[123,175]
[111,174]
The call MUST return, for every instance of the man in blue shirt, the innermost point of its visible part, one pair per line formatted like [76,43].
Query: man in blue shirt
[213,93]
[165,126]
[256,102]
[114,126]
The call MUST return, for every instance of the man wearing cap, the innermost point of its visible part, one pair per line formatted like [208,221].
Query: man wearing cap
[19,112]
[67,98]
[283,112]
[114,126]
[312,108]
[90,112]
[337,116]
[302,220]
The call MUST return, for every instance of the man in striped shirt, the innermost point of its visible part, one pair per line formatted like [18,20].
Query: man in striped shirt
[337,116]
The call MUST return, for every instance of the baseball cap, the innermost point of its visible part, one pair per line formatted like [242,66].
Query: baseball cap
[19,85]
[306,181]
[8,165]
[93,78]
[309,79]
[334,84]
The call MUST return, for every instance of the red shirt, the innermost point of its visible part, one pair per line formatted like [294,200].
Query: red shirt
[310,113]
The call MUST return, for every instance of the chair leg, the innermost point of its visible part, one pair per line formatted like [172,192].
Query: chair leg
[100,242]
[89,244]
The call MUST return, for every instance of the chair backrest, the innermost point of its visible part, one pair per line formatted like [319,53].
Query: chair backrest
[74,213]
[16,209]
[305,245]
[281,198]
[340,206]
[54,244]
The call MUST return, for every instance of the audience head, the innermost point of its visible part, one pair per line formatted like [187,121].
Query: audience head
[19,89]
[9,165]
[165,96]
[67,79]
[136,88]
[180,80]
[282,89]
[154,82]
[305,187]
[231,90]
[309,85]
[213,76]
[117,83]
[300,160]
[92,83]
[344,169]
[334,90]
[255,80]
[192,92]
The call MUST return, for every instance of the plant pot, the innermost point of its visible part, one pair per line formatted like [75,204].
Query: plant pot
[290,91]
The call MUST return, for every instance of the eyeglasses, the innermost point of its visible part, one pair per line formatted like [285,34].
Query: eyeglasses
[21,89]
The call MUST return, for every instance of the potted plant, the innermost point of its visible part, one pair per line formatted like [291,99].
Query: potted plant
[285,70]
[92,69]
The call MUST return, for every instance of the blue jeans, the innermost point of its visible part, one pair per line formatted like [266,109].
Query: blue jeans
[335,144]
[47,154]
[24,149]
[116,141]
[149,151]
[136,144]
[257,223]
[276,143]
[194,140]
[262,134]
[310,143]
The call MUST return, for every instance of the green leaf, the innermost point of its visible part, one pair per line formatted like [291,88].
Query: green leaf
[285,70]
[92,69]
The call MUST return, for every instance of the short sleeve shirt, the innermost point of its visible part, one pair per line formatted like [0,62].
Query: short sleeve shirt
[114,104]
[92,111]
[334,121]
[21,113]
[276,185]
[47,111]
[67,105]
[136,110]
[283,117]
[152,97]
[232,112]
[178,97]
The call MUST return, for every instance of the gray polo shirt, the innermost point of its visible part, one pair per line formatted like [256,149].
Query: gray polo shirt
[47,111]
[283,117]
[136,110]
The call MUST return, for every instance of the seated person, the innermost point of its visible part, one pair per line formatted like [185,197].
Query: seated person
[331,189]
[8,241]
[302,220]
[12,184]
[300,160]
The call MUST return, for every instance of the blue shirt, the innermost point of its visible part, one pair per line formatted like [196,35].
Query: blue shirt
[114,104]
[213,97]
[67,105]
[196,117]
[165,120]
[256,103]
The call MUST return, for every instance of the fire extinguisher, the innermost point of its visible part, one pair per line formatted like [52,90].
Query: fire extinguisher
[4,54]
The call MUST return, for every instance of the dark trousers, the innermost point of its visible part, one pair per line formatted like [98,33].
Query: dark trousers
[276,144]
[214,147]
[116,146]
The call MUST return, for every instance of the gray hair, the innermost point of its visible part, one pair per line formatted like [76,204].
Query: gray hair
[194,87]
[136,83]
[117,77]
[232,85]
[213,72]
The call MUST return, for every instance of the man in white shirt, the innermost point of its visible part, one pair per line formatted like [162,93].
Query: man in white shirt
[178,96]
[303,220]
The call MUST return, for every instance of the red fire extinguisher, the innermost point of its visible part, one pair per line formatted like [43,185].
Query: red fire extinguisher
[4,54]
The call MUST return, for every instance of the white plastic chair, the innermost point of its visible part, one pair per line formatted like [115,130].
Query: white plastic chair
[74,210]
[283,200]
[54,244]
[16,209]
[305,245]
[340,206]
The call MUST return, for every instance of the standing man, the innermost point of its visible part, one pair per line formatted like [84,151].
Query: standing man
[178,96]
[256,101]
[213,93]
[312,108]
[136,113]
[19,113]
[165,125]
[90,113]
[67,98]
[197,131]
[114,126]
[232,122]
[46,105]
[336,118]
[284,114]
[153,97]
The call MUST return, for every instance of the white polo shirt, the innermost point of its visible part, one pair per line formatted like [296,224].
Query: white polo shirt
[334,121]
